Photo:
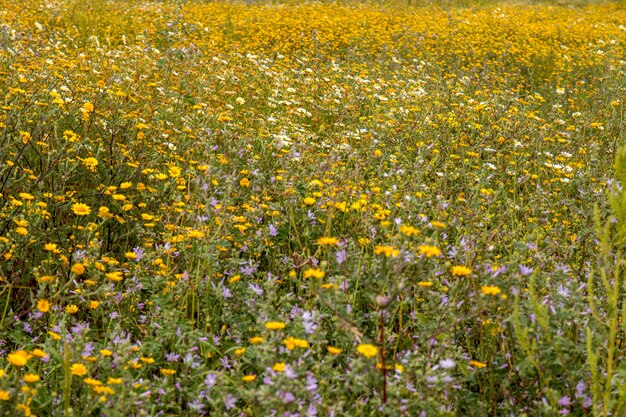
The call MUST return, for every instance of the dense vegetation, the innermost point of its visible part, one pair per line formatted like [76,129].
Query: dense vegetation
[311,209]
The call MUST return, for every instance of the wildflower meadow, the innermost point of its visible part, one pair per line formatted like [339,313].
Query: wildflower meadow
[298,208]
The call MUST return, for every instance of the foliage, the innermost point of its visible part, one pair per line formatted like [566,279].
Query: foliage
[311,209]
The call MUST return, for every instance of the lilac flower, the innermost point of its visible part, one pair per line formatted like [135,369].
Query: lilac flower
[311,382]
[88,349]
[256,289]
[226,292]
[210,380]
[289,372]
[341,256]
[310,324]
[196,406]
[273,231]
[524,270]
[565,401]
[172,357]
[447,364]
[225,362]
[230,401]
[248,268]
[286,397]
[139,253]
[562,291]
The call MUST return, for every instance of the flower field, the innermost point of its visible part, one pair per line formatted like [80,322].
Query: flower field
[312,209]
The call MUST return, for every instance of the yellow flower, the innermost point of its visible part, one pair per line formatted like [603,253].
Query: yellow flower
[174,171]
[114,381]
[437,225]
[18,358]
[29,378]
[43,306]
[167,372]
[54,335]
[21,223]
[386,250]
[50,247]
[274,325]
[256,340]
[249,378]
[425,284]
[38,353]
[279,367]
[314,273]
[78,369]
[367,350]
[92,382]
[428,250]
[477,364]
[21,231]
[93,304]
[78,268]
[490,290]
[114,276]
[45,279]
[104,212]
[88,107]
[81,209]
[330,241]
[309,201]
[460,271]
[4,395]
[409,231]
[106,352]
[333,350]
[91,163]
[291,343]
[71,309]
[244,182]
[239,351]
[26,196]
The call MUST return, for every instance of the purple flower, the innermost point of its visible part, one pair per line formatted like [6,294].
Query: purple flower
[172,357]
[565,401]
[88,349]
[226,292]
[311,382]
[256,289]
[210,380]
[447,364]
[286,397]
[139,252]
[229,402]
[525,270]
[225,362]
[289,372]
[341,256]
[273,231]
